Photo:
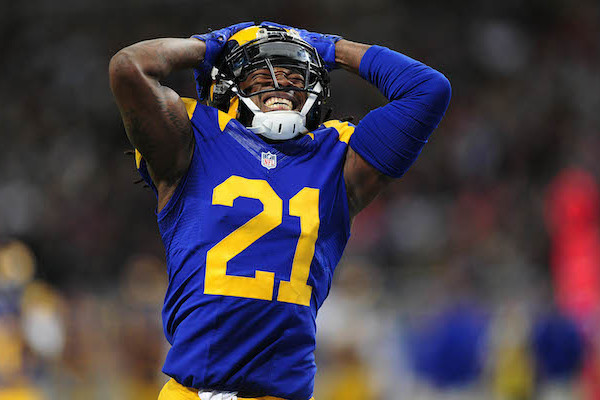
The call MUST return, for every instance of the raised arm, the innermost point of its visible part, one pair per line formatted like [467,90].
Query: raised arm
[363,181]
[154,115]
[388,140]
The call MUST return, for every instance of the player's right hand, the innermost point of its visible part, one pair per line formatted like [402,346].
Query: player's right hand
[323,43]
[215,41]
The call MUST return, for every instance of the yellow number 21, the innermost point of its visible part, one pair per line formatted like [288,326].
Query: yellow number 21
[305,204]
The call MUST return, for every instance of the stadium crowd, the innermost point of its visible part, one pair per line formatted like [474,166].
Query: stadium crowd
[451,286]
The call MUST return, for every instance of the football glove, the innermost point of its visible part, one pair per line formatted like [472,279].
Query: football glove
[324,43]
[215,41]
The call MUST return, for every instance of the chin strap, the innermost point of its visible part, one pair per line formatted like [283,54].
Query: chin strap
[280,124]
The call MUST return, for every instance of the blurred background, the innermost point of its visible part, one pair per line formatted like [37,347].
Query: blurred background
[477,276]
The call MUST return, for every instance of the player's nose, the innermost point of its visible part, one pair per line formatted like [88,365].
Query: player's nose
[282,80]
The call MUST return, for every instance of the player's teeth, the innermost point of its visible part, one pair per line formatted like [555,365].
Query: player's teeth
[279,101]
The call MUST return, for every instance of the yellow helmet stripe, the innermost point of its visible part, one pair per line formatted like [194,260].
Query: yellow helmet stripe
[245,35]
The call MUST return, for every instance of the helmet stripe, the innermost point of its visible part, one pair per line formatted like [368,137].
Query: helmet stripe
[245,35]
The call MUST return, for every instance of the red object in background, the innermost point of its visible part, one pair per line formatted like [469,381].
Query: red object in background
[572,202]
[572,215]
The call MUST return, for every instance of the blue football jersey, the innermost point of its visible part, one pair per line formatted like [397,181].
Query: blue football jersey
[252,235]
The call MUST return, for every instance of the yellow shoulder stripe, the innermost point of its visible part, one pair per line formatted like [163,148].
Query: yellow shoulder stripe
[344,129]
[224,120]
[138,159]
[190,106]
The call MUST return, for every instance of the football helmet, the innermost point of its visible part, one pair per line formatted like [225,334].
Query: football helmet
[268,47]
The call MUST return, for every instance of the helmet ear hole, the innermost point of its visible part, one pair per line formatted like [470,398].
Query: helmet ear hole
[221,95]
[313,117]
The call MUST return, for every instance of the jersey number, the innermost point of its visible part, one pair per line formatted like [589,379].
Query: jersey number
[305,204]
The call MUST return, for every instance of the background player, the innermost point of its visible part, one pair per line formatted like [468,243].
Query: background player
[229,199]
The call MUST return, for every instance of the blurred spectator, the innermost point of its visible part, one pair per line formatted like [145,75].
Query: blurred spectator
[558,347]
[448,349]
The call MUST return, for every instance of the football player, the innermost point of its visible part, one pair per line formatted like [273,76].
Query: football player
[256,193]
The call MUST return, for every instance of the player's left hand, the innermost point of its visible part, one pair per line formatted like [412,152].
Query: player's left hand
[324,43]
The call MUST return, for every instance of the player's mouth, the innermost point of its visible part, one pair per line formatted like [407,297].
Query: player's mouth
[279,101]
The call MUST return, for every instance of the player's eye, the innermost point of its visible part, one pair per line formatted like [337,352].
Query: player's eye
[261,75]
[296,79]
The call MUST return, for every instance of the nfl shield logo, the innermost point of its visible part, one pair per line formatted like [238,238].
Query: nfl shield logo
[268,160]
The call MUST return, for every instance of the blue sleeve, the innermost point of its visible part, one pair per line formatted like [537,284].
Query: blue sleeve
[391,137]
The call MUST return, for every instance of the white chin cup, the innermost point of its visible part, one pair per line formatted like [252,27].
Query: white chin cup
[278,125]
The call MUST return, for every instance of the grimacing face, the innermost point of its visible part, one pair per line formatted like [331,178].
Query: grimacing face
[261,79]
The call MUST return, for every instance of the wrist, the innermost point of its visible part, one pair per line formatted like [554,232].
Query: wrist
[197,50]
[348,55]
